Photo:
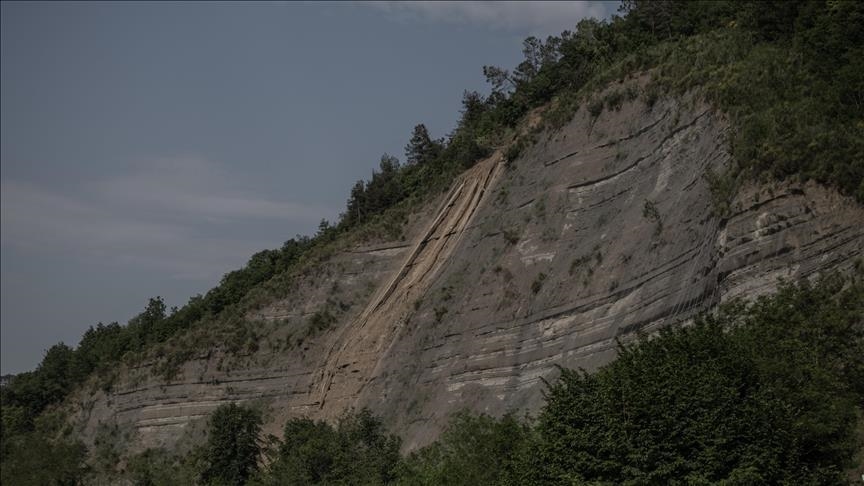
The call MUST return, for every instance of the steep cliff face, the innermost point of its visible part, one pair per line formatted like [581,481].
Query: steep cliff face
[601,230]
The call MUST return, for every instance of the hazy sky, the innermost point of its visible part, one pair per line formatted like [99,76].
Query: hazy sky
[147,149]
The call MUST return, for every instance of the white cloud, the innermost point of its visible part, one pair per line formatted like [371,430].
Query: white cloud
[539,18]
[186,217]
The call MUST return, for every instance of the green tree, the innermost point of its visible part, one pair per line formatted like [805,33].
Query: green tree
[356,209]
[306,454]
[144,326]
[55,373]
[473,449]
[39,451]
[763,393]
[367,453]
[36,460]
[421,149]
[501,80]
[358,451]
[233,446]
[99,347]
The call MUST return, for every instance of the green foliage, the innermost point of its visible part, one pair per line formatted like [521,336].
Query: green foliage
[306,455]
[233,446]
[421,149]
[723,187]
[511,235]
[156,467]
[107,450]
[144,326]
[260,268]
[473,449]
[28,394]
[38,450]
[320,320]
[383,191]
[761,393]
[514,150]
[577,263]
[791,75]
[595,107]
[614,99]
[537,284]
[37,460]
[651,213]
[764,393]
[357,451]
[791,87]
[103,346]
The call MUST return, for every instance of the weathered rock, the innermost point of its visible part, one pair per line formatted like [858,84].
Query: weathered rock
[602,230]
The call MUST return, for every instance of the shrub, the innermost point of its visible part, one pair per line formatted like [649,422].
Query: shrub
[537,284]
[473,449]
[595,107]
[322,319]
[762,393]
[357,451]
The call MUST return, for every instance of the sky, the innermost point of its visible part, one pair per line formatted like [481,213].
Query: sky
[149,148]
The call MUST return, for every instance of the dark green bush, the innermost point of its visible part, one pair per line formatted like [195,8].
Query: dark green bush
[761,393]
[473,449]
[357,451]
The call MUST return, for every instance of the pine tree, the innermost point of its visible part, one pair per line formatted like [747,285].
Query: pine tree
[421,149]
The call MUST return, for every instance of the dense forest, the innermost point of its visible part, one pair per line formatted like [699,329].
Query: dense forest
[790,76]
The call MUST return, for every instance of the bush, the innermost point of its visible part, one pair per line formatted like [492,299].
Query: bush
[156,467]
[595,107]
[537,284]
[474,449]
[37,451]
[762,393]
[320,320]
[356,451]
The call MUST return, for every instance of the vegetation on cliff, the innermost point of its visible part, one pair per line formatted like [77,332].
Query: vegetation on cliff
[767,392]
[761,393]
[790,75]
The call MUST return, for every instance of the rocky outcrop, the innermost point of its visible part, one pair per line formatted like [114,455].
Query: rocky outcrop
[359,352]
[601,231]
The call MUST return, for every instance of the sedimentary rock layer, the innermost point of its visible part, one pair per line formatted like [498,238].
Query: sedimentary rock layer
[602,230]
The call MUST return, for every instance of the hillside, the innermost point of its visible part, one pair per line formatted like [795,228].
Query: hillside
[554,224]
[511,272]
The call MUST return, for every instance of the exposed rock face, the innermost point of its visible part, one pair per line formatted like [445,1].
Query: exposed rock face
[359,354]
[602,230]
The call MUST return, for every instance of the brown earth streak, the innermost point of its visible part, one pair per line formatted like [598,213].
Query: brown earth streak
[355,358]
[515,270]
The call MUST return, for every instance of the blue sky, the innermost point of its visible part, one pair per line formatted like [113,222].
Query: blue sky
[148,148]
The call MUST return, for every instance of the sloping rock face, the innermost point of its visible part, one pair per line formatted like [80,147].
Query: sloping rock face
[602,230]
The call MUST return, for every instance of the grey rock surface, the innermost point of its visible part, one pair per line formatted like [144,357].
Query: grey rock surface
[603,230]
